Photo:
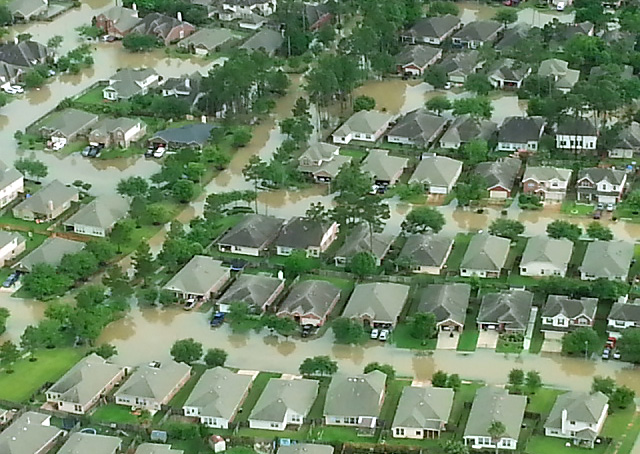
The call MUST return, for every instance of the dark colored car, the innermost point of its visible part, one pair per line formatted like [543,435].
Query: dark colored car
[11,279]
[597,214]
[217,319]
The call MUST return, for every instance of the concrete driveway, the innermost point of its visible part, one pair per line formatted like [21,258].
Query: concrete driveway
[446,341]
[488,339]
[552,342]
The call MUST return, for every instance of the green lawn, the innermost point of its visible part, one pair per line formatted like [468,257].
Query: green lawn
[181,396]
[627,440]
[538,337]
[515,254]
[357,155]
[337,434]
[457,253]
[115,413]
[317,409]
[508,347]
[539,444]
[93,96]
[29,376]
[542,401]
[635,268]
[459,413]
[8,222]
[576,209]
[391,398]
[257,387]
[579,249]
[469,337]
[402,338]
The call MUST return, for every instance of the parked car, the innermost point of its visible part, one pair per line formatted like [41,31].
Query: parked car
[149,152]
[85,151]
[159,152]
[189,304]
[616,354]
[600,207]
[597,214]
[306,330]
[374,333]
[9,90]
[560,6]
[610,207]
[611,342]
[384,335]
[18,89]
[217,319]
[605,353]
[447,86]
[11,279]
[95,152]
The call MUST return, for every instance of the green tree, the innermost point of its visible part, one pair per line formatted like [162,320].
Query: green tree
[605,385]
[44,281]
[478,84]
[516,379]
[438,104]
[479,107]
[348,331]
[506,228]
[117,282]
[363,264]
[4,316]
[78,266]
[241,137]
[9,353]
[183,190]
[496,430]
[439,379]
[436,76]
[186,351]
[284,326]
[533,381]
[363,103]
[598,231]
[622,397]
[423,326]
[215,357]
[46,334]
[297,263]
[564,229]
[137,42]
[122,232]
[506,15]
[423,219]
[143,261]
[455,447]
[584,341]
[454,382]
[158,213]
[318,366]
[632,200]
[629,345]
[133,187]
[473,188]
[6,18]
[55,42]
[386,369]
[31,167]
[475,151]
[102,250]
[33,79]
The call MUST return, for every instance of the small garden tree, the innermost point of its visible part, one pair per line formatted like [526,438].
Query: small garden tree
[186,351]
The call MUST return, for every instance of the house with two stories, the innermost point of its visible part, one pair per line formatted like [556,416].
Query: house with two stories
[166,28]
[66,125]
[448,302]
[310,302]
[26,10]
[30,433]
[128,82]
[48,203]
[256,291]
[365,126]
[563,77]
[509,74]
[117,132]
[520,133]
[242,10]
[544,256]
[414,60]
[500,176]
[322,161]
[385,169]
[362,239]
[460,65]
[12,244]
[627,144]
[207,41]
[495,404]
[562,313]
[284,402]
[153,385]
[355,400]
[377,304]
[117,21]
[608,260]
[50,252]
[485,257]
[478,33]
[418,128]
[17,58]
[251,236]
[426,253]
[200,279]
[438,174]
[82,387]
[432,30]
[623,315]
[422,412]
[578,416]
[215,400]
[600,185]
[576,134]
[506,311]
[11,184]
[98,217]
[317,15]
[305,234]
[91,443]
[546,182]
[464,129]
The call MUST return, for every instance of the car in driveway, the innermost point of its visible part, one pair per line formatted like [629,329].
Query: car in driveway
[384,335]
[11,279]
[597,214]
[375,332]
[189,304]
[606,353]
[217,319]
[159,152]
[610,207]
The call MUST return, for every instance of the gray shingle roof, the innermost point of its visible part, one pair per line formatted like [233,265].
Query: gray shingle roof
[305,448]
[438,171]
[381,301]
[193,134]
[267,40]
[580,407]
[501,173]
[364,121]
[478,30]
[158,24]
[320,151]
[252,289]
[542,249]
[102,212]
[209,38]
[301,233]
[154,382]
[28,434]
[465,128]
[423,407]
[155,448]
[495,404]
[427,249]
[417,54]
[198,276]
[383,166]
[569,307]
[462,62]
[280,395]
[559,70]
[8,175]
[576,126]
[127,81]
[55,193]
[629,137]
[486,252]
[521,129]
[626,312]
[89,443]
[26,8]
[509,307]
[420,126]
[355,395]
[51,252]
[546,173]
[310,297]
[446,301]
[123,18]
[510,70]
[219,393]
[358,240]
[8,237]
[68,122]
[25,54]
[255,230]
[598,174]
[433,27]
[607,259]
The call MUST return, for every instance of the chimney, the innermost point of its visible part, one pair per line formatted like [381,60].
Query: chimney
[50,205]
[134,6]
[179,16]
[15,40]
[563,421]
[187,82]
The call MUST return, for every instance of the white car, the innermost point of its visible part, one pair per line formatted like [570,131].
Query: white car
[560,6]
[374,333]
[384,335]
[610,207]
[10,90]
[17,88]
[189,304]
[447,86]
[159,152]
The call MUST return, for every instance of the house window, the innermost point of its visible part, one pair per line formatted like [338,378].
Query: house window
[399,431]
[77,407]
[523,270]
[274,424]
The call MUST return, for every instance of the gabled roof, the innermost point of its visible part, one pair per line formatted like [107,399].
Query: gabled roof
[8,175]
[436,171]
[521,129]
[50,252]
[433,27]
[123,18]
[355,395]
[156,383]
[542,249]
[110,125]
[254,230]
[427,249]
[8,237]
[54,194]
[446,301]
[198,276]
[629,138]
[193,134]
[90,443]
[608,259]
[310,297]
[26,8]
[25,54]
[209,38]
[500,173]
[580,407]
[486,252]
[381,301]
[320,151]
[252,289]
[68,121]
[463,62]
[281,395]
[301,233]
[546,173]
[85,380]
[626,312]
[156,448]
[360,240]
[598,174]
[495,404]
[420,126]
[510,70]
[305,448]
[128,81]
[267,40]
[423,407]
[30,433]
[219,393]
[513,36]
[576,126]
[418,54]
[382,165]
[479,30]
[365,122]
[157,24]
[569,307]
[102,212]
[564,77]
[465,128]
[509,307]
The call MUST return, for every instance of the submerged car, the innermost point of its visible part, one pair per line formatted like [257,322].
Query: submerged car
[217,319]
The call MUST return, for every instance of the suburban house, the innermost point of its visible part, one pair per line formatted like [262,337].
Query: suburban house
[361,239]
[242,9]
[66,124]
[431,30]
[385,169]
[426,253]
[578,134]
[98,217]
[365,125]
[623,315]
[117,132]
[460,65]
[607,259]
[600,185]
[509,74]
[422,412]
[628,142]
[548,183]
[512,37]
[85,384]
[507,311]
[26,10]
[166,28]
[255,290]
[494,404]
[156,448]
[562,313]
[578,416]
[485,256]
[12,244]
[200,279]
[305,448]
[268,41]
[317,15]
[544,256]
[520,133]
[414,60]
[91,443]
[418,128]
[47,204]
[152,386]
[322,161]
[448,302]
[377,304]
[251,236]
[50,252]
[117,21]
[559,72]
[310,302]
[11,184]
[500,176]
[30,433]
[217,397]
[284,402]
[476,34]
[194,135]
[438,174]
[128,82]
[464,129]
[19,57]
[207,41]
[304,234]
[185,88]
[355,400]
